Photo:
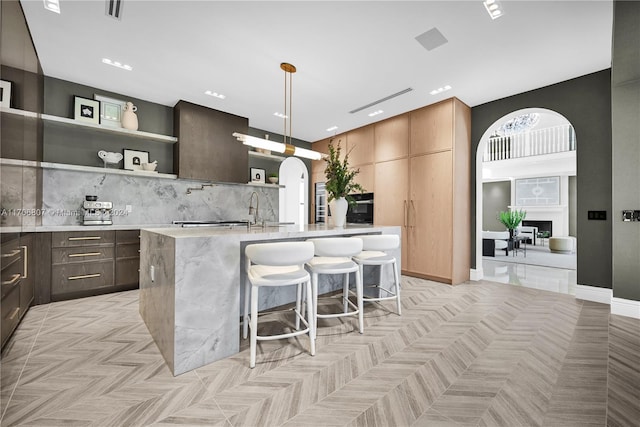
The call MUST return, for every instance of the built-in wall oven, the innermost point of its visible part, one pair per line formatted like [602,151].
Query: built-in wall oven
[362,211]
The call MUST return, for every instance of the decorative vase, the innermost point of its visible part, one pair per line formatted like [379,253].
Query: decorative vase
[273,179]
[129,118]
[339,211]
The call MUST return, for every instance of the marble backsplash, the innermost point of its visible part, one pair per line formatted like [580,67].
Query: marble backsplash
[153,200]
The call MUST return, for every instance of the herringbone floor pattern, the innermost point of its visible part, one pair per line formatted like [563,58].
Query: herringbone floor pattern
[482,354]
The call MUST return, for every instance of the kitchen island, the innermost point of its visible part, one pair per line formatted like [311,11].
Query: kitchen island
[190,285]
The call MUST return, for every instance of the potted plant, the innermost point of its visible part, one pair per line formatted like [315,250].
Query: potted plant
[512,219]
[273,178]
[340,183]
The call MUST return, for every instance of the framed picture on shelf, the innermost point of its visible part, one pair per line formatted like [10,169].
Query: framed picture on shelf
[110,111]
[257,175]
[5,94]
[86,110]
[133,159]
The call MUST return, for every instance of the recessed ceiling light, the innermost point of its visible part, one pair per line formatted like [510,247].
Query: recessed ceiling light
[332,128]
[52,5]
[440,90]
[117,64]
[375,113]
[494,8]
[282,116]
[215,94]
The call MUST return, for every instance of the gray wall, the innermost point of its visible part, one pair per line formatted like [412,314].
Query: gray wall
[496,196]
[586,102]
[625,88]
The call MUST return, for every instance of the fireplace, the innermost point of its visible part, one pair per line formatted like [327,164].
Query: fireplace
[542,225]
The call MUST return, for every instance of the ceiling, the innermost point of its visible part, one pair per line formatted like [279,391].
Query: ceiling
[348,54]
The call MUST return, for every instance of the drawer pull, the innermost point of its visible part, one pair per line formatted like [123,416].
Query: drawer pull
[71,239]
[14,313]
[84,276]
[11,254]
[26,261]
[85,254]
[12,281]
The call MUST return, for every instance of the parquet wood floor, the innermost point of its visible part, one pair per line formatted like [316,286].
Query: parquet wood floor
[481,354]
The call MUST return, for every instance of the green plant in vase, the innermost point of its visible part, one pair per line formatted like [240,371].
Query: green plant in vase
[512,219]
[340,183]
[273,178]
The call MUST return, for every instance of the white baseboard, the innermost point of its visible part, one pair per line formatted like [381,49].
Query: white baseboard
[476,274]
[593,293]
[619,306]
[625,307]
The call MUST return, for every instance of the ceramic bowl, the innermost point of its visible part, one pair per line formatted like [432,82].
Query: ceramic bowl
[149,166]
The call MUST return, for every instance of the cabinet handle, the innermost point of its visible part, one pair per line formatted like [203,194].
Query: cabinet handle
[11,254]
[414,210]
[85,254]
[71,239]
[14,313]
[84,276]
[25,261]
[405,214]
[138,250]
[12,281]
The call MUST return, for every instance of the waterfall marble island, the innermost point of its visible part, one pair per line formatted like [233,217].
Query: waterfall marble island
[191,284]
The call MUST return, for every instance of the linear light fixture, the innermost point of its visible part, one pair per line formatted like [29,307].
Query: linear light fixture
[440,90]
[375,113]
[282,116]
[494,8]
[117,64]
[332,128]
[278,147]
[52,5]
[214,94]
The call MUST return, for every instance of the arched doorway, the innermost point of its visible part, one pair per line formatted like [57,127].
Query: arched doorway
[294,197]
[527,143]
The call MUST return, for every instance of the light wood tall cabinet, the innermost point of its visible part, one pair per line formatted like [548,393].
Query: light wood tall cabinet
[419,163]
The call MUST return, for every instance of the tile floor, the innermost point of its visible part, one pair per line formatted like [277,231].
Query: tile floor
[481,353]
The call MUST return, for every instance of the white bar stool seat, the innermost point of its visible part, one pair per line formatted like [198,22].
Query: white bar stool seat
[374,253]
[333,255]
[277,264]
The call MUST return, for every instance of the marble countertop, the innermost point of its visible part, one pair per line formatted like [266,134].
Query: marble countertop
[268,232]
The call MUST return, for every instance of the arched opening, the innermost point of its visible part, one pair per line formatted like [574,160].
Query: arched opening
[528,158]
[294,197]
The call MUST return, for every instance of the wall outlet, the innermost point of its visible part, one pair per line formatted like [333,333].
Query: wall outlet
[128,208]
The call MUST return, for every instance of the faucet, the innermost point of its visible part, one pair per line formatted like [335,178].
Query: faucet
[254,211]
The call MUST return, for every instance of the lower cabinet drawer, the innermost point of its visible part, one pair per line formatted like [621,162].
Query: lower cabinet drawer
[10,312]
[81,254]
[87,276]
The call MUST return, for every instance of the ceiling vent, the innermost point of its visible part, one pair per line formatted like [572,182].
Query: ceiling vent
[431,39]
[386,98]
[114,8]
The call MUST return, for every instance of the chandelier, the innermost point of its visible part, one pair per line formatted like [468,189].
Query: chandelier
[519,124]
[282,147]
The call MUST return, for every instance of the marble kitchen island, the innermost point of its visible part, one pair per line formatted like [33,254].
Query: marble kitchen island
[190,285]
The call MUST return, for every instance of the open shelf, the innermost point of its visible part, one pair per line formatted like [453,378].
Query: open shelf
[272,157]
[63,121]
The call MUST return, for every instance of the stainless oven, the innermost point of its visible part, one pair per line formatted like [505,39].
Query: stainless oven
[362,211]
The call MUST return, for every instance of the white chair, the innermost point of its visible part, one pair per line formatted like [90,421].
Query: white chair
[374,252]
[277,264]
[333,256]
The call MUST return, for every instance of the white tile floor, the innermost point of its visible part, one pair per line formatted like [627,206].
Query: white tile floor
[531,276]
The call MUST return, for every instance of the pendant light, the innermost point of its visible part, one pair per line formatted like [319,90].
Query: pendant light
[285,147]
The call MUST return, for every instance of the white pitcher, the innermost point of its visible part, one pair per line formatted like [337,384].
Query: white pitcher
[129,118]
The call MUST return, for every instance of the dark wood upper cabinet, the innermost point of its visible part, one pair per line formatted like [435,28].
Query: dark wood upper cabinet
[206,149]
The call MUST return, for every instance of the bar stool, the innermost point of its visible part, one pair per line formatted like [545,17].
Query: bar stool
[333,256]
[277,264]
[374,252]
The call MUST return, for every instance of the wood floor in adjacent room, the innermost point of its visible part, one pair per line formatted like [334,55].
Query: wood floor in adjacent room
[475,354]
